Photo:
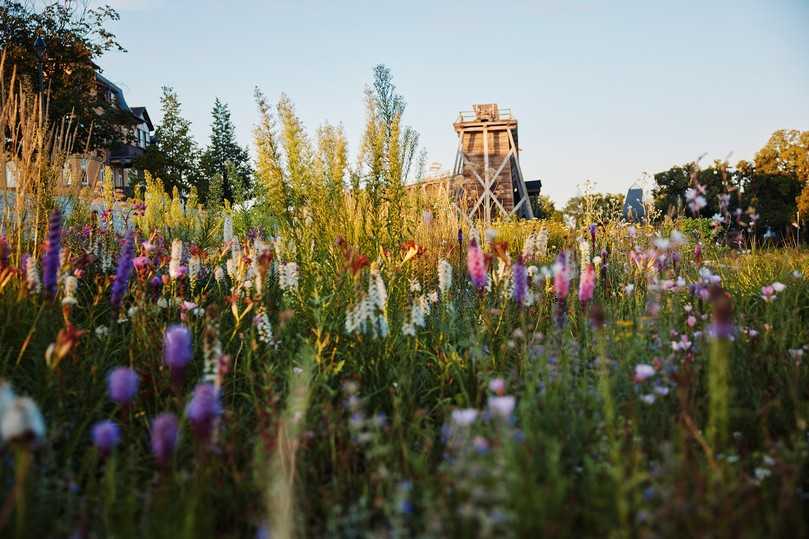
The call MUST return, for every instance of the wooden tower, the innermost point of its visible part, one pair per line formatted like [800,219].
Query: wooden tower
[488,164]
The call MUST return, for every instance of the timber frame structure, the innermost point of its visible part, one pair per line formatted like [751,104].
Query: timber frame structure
[488,165]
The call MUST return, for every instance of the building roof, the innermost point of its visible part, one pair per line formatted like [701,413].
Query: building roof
[143,115]
[139,113]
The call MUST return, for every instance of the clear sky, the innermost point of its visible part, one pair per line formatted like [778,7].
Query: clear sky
[603,90]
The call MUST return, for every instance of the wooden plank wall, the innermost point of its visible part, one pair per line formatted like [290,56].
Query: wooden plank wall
[499,148]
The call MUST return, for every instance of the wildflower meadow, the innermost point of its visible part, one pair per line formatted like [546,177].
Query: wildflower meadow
[340,356]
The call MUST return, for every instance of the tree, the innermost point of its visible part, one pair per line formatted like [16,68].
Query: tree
[594,207]
[787,153]
[173,155]
[546,209]
[75,37]
[223,149]
[716,180]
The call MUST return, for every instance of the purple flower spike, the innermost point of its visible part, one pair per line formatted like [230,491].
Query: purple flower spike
[164,437]
[50,262]
[122,385]
[106,436]
[203,410]
[124,272]
[177,349]
[520,276]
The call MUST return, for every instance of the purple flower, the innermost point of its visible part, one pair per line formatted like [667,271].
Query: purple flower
[177,348]
[520,276]
[593,233]
[106,436]
[203,410]
[124,271]
[164,437]
[122,385]
[50,262]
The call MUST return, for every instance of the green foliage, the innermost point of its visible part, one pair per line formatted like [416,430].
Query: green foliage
[173,156]
[224,149]
[545,209]
[75,38]
[594,208]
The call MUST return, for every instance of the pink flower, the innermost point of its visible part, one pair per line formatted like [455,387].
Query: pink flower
[476,265]
[587,284]
[141,263]
[561,277]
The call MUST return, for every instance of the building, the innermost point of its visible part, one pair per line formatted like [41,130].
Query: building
[121,157]
[86,169]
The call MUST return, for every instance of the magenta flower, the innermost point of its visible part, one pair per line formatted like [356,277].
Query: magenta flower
[141,263]
[587,284]
[203,410]
[561,277]
[106,436]
[122,385]
[476,264]
[177,349]
[164,437]
[50,261]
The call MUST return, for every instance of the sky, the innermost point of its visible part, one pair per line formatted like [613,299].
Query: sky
[603,90]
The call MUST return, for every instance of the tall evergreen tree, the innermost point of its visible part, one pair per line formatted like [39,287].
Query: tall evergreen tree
[223,149]
[174,155]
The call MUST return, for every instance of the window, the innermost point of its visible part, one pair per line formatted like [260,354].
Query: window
[66,175]
[11,174]
[118,177]
[84,179]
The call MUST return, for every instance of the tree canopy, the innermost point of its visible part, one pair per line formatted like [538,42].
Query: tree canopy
[75,38]
[173,155]
[223,150]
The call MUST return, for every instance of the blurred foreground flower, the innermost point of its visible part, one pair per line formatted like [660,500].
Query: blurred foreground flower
[122,385]
[177,349]
[106,436]
[164,437]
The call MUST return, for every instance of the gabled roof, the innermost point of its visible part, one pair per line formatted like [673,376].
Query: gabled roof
[143,115]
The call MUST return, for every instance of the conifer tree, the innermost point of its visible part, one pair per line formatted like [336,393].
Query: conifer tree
[174,154]
[223,148]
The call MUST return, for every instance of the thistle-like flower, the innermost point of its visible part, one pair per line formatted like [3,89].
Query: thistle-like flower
[164,437]
[122,385]
[177,351]
[587,284]
[123,272]
[476,264]
[106,436]
[203,410]
[50,261]
[561,277]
